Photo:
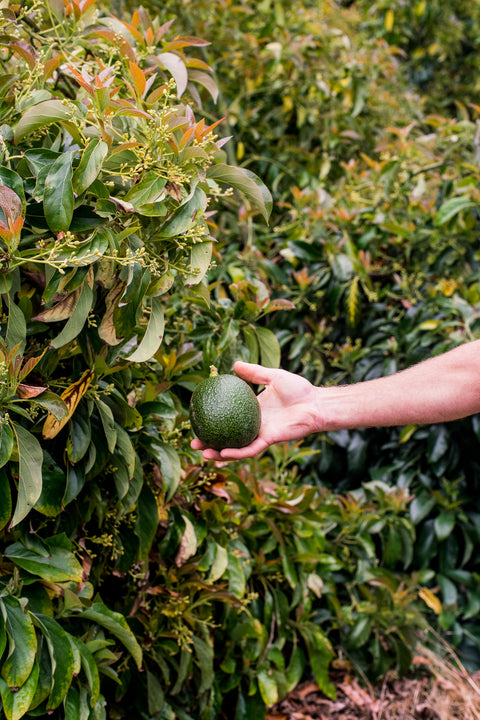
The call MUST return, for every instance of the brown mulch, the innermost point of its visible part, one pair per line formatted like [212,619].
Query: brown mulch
[440,691]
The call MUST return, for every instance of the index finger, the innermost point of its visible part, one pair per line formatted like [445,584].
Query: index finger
[257,374]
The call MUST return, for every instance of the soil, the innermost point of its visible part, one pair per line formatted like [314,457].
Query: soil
[438,691]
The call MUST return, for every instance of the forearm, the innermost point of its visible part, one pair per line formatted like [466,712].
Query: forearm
[440,389]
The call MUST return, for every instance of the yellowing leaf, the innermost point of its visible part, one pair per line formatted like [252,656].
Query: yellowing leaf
[431,600]
[389,20]
[71,397]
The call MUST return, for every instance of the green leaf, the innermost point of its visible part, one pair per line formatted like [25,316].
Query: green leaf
[108,424]
[74,484]
[269,347]
[16,326]
[59,565]
[7,442]
[86,253]
[204,654]
[421,506]
[53,487]
[22,642]
[58,197]
[295,668]
[146,521]
[236,576]
[439,441]
[200,259]
[246,182]
[115,623]
[42,114]
[79,436]
[155,694]
[17,702]
[30,473]
[124,449]
[183,670]
[153,336]
[452,207]
[5,499]
[40,158]
[184,217]
[77,319]
[167,457]
[444,524]
[320,656]
[90,669]
[90,165]
[149,190]
[53,403]
[72,705]
[268,687]
[61,655]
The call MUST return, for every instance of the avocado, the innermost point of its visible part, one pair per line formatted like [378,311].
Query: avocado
[224,412]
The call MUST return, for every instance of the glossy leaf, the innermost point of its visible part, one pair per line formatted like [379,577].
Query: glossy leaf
[59,565]
[246,182]
[17,702]
[22,642]
[40,115]
[6,443]
[90,165]
[117,625]
[30,473]
[58,197]
[153,336]
[62,658]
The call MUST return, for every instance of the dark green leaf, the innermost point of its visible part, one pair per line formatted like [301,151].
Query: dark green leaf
[77,319]
[22,642]
[42,114]
[444,524]
[30,473]
[116,624]
[61,655]
[6,442]
[90,165]
[53,487]
[58,197]
[184,217]
[60,565]
[146,522]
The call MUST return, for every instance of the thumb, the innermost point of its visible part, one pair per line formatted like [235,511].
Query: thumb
[254,373]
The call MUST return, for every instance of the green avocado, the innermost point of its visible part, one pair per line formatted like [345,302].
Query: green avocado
[224,412]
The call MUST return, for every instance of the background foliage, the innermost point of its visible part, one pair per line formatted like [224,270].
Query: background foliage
[140,245]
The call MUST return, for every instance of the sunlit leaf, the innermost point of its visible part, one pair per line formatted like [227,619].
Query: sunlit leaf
[246,182]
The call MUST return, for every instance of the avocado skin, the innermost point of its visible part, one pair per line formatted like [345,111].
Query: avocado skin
[224,412]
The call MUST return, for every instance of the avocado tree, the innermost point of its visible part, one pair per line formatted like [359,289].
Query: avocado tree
[109,179]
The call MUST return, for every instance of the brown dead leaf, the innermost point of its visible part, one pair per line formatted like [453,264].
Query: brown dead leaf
[306,689]
[29,391]
[356,694]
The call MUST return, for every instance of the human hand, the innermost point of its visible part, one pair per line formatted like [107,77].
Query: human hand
[288,405]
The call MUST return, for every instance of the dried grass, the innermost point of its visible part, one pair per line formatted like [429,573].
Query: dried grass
[442,689]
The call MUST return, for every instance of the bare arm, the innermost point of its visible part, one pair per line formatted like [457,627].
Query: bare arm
[443,388]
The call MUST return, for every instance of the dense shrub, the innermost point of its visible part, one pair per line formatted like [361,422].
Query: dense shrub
[137,580]
[377,248]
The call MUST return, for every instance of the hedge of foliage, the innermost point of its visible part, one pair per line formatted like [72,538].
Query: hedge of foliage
[139,245]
